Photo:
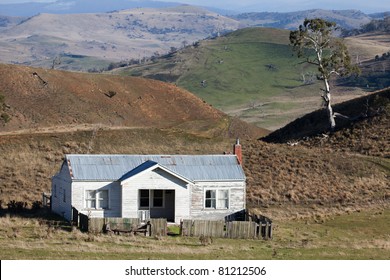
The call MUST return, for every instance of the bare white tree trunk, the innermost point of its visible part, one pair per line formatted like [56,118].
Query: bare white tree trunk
[327,98]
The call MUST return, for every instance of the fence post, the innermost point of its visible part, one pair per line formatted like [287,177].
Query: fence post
[270,231]
[148,229]
[266,232]
[158,226]
[186,228]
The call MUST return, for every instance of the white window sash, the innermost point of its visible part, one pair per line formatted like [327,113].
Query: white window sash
[102,199]
[97,199]
[210,201]
[223,199]
[216,199]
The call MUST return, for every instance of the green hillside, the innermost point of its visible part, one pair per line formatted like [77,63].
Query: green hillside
[250,73]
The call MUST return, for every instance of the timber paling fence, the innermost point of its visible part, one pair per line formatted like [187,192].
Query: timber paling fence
[237,226]
[229,229]
[119,225]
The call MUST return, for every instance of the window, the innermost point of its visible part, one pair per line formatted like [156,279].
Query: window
[210,199]
[223,199]
[90,199]
[151,198]
[97,199]
[102,199]
[55,190]
[217,199]
[158,198]
[144,198]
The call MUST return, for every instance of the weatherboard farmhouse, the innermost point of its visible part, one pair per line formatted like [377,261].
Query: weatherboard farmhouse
[174,187]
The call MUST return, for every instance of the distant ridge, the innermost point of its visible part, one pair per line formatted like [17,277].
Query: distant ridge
[90,42]
[347,19]
[78,7]
[89,35]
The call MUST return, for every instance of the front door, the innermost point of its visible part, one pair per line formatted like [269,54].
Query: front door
[170,205]
[158,203]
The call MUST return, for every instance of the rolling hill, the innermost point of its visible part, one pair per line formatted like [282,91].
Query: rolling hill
[81,36]
[300,165]
[47,113]
[366,46]
[29,9]
[250,73]
[366,132]
[346,19]
[92,41]
[36,99]
[54,112]
[284,182]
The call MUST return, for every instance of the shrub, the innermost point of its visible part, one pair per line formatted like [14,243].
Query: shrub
[5,117]
[16,206]
[37,205]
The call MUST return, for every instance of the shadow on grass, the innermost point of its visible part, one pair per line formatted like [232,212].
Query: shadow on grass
[44,215]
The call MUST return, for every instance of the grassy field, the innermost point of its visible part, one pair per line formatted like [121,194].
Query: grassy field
[357,235]
[250,73]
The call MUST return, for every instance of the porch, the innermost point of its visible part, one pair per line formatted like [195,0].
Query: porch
[156,204]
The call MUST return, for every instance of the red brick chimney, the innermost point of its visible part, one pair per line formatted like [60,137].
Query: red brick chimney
[238,151]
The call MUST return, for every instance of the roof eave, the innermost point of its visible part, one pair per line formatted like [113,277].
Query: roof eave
[218,180]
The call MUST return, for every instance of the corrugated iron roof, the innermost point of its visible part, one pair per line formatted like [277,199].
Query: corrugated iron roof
[193,167]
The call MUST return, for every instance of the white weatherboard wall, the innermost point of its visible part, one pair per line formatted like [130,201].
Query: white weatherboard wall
[155,180]
[79,190]
[237,193]
[61,202]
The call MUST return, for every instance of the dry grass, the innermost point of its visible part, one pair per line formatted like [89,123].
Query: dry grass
[367,46]
[69,99]
[276,174]
[353,235]
[33,159]
[282,175]
[369,122]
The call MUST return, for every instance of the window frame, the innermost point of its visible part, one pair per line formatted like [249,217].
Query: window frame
[217,199]
[225,198]
[94,202]
[151,199]
[162,197]
[144,197]
[211,199]
[101,199]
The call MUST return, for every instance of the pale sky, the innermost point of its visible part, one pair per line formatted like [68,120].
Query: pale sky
[274,5]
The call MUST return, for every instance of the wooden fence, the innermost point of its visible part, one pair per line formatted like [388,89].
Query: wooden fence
[240,226]
[158,227]
[221,229]
[120,225]
[202,227]
[242,230]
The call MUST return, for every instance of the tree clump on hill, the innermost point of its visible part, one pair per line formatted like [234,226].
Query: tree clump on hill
[330,55]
